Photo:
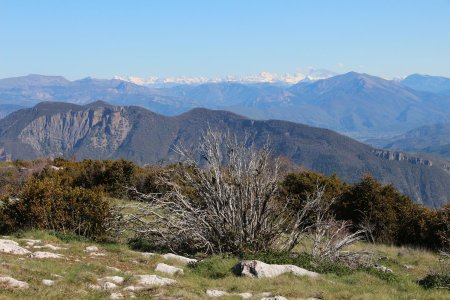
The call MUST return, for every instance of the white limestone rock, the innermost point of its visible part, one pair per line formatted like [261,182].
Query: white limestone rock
[246,295]
[12,283]
[216,293]
[91,248]
[44,255]
[154,280]
[179,258]
[161,267]
[48,282]
[115,296]
[12,247]
[258,269]
[108,286]
[114,279]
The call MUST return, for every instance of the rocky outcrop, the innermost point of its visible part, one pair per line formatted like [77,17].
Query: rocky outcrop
[12,247]
[258,269]
[11,283]
[400,156]
[103,128]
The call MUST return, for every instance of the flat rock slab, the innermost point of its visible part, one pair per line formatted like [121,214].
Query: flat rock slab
[11,283]
[161,267]
[114,279]
[43,255]
[218,293]
[258,269]
[12,247]
[179,258]
[153,280]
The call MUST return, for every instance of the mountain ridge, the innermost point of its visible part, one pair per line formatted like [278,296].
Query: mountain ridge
[109,132]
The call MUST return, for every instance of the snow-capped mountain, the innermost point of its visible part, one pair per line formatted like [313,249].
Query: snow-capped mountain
[263,77]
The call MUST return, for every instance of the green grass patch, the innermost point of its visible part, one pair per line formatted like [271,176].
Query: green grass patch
[214,267]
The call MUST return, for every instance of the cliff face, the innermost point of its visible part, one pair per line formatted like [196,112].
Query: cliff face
[401,156]
[104,129]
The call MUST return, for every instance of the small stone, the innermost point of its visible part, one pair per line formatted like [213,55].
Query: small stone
[113,269]
[383,269]
[97,254]
[216,293]
[168,269]
[246,295]
[266,294]
[91,248]
[154,280]
[51,247]
[115,296]
[133,288]
[48,282]
[108,286]
[43,255]
[179,258]
[115,279]
[12,283]
[56,275]
[274,298]
[94,287]
[147,254]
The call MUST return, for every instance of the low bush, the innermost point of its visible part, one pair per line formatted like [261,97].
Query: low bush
[48,204]
[435,281]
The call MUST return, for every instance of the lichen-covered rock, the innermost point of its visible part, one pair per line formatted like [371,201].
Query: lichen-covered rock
[255,268]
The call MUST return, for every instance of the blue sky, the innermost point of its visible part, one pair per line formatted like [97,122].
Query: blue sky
[79,38]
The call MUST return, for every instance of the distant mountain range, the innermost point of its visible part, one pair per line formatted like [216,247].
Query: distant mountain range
[358,105]
[427,83]
[101,131]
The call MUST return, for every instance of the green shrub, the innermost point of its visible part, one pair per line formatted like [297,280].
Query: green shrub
[48,204]
[435,281]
